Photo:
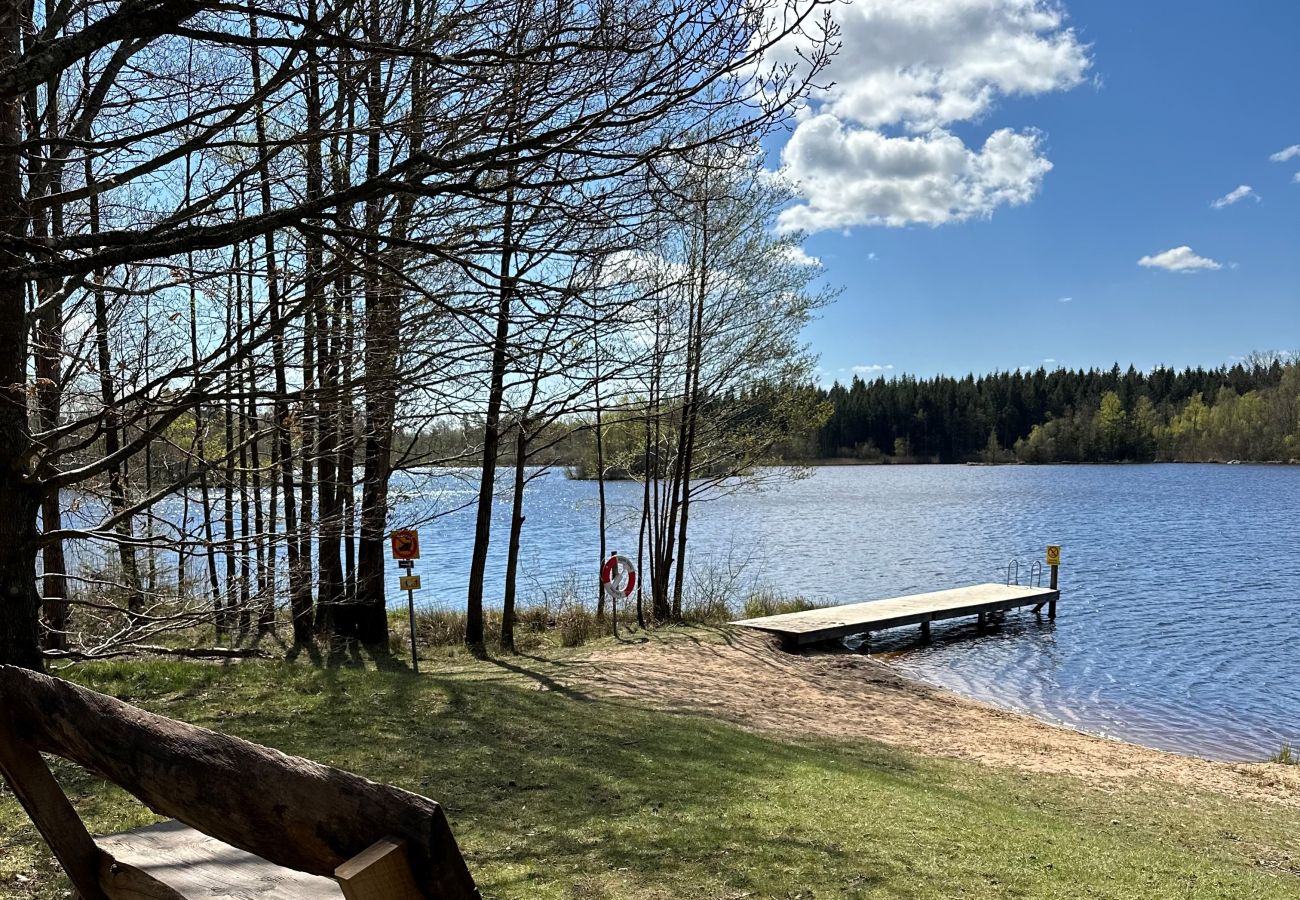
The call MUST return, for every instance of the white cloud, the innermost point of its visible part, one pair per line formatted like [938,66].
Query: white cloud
[925,64]
[797,255]
[1236,195]
[1296,177]
[874,148]
[1066,300]
[1179,259]
[1289,153]
[853,176]
[872,369]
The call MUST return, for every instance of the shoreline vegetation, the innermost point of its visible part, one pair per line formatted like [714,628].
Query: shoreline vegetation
[1247,412]
[603,773]
[848,462]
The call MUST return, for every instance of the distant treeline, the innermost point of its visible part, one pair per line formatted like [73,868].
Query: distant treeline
[1249,411]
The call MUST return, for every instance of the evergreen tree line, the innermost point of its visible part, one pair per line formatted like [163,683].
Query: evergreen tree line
[1249,411]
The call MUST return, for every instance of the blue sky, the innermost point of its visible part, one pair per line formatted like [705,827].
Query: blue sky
[1146,112]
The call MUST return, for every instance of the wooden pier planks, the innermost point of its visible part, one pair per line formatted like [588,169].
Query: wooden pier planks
[833,622]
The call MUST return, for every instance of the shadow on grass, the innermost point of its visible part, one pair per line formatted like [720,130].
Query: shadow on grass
[553,792]
[545,785]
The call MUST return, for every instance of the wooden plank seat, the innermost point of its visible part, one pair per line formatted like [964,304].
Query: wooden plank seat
[260,809]
[196,865]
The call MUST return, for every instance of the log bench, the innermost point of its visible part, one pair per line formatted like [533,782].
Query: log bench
[249,821]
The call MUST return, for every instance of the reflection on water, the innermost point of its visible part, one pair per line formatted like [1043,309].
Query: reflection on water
[1179,623]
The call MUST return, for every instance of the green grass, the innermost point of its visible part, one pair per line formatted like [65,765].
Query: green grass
[1285,756]
[557,794]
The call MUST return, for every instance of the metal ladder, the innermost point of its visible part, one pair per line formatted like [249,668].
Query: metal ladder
[1035,574]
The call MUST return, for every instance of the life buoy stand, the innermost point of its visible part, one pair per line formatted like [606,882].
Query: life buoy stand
[618,576]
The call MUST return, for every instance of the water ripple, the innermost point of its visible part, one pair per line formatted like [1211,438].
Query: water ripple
[1178,623]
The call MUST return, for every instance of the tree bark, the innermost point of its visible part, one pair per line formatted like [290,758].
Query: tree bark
[19,500]
[600,473]
[516,535]
[491,432]
[381,345]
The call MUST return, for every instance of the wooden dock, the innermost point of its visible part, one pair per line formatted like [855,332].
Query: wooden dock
[799,629]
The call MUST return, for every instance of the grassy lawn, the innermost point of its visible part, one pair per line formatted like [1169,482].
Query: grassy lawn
[557,794]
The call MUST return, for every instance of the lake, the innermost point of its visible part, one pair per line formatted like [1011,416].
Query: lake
[1179,623]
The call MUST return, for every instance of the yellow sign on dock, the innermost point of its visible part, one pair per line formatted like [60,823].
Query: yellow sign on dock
[1053,554]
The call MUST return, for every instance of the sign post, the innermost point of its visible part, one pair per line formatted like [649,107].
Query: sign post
[406,550]
[1054,561]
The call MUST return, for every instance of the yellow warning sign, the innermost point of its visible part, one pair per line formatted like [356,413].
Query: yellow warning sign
[1053,554]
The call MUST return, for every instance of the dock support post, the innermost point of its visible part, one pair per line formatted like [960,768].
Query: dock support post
[1051,606]
[925,631]
[984,620]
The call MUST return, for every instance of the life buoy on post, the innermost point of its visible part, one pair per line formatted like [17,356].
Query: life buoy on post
[618,576]
[617,580]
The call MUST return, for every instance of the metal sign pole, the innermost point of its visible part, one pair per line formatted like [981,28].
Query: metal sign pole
[410,606]
[406,550]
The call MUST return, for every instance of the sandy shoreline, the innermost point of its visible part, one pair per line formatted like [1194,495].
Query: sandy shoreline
[742,678]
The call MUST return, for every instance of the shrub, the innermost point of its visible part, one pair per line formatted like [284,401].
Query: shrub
[765,602]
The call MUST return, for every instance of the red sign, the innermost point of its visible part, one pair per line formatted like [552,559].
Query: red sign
[406,544]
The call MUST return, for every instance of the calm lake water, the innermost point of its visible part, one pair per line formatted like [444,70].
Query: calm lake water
[1179,623]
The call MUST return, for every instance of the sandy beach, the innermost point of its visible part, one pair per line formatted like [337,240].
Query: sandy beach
[744,678]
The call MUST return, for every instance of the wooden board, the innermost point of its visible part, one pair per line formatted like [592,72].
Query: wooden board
[379,872]
[833,622]
[198,866]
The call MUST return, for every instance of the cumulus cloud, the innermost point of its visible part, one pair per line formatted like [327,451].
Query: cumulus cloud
[1285,155]
[852,176]
[1179,259]
[871,369]
[906,72]
[800,257]
[1236,195]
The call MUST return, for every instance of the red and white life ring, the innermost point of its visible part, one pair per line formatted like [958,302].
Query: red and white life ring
[618,576]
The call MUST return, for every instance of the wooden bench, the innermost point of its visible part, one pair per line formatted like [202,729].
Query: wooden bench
[239,806]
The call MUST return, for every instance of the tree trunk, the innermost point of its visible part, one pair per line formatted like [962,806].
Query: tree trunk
[382,325]
[19,499]
[282,445]
[645,521]
[107,396]
[600,477]
[227,623]
[491,432]
[49,364]
[300,598]
[516,533]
